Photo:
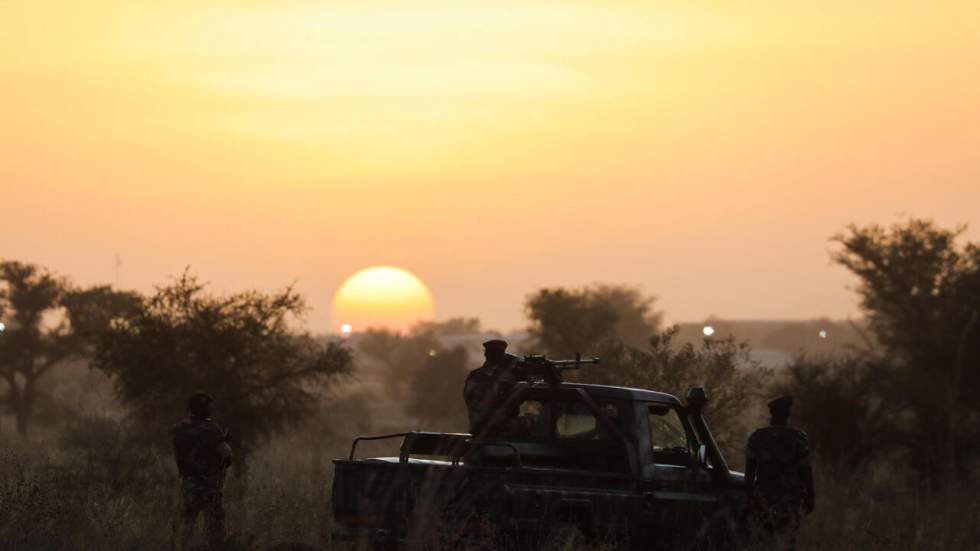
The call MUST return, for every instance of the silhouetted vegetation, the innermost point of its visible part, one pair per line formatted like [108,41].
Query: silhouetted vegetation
[240,348]
[723,367]
[920,291]
[48,323]
[435,390]
[566,321]
[844,405]
[891,421]
[422,373]
[400,355]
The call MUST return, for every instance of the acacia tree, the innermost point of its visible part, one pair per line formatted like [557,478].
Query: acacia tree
[844,408]
[618,324]
[27,349]
[920,289]
[47,323]
[421,372]
[240,348]
[723,367]
[401,356]
[566,321]
[436,390]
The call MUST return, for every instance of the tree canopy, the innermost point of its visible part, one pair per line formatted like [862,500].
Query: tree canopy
[723,367]
[920,289]
[566,321]
[421,373]
[47,323]
[240,348]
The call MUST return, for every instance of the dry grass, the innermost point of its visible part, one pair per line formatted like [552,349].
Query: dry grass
[54,498]
[857,513]
[60,497]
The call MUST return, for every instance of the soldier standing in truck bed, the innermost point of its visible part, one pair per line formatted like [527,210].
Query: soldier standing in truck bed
[778,477]
[488,386]
[203,454]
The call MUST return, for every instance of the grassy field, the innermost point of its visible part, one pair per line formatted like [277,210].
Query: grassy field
[111,495]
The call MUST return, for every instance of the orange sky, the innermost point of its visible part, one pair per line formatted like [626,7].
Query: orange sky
[705,151]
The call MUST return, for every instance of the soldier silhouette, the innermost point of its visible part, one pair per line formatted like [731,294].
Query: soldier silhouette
[202,454]
[778,477]
[488,386]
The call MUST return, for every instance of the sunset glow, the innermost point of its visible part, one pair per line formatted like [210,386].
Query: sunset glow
[659,144]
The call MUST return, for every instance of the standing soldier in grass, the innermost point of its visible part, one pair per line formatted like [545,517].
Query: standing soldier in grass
[778,477]
[203,454]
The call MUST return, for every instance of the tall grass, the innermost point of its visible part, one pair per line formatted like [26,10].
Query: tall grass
[58,496]
[858,512]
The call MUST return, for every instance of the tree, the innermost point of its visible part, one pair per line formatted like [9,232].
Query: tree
[47,323]
[843,405]
[450,327]
[240,348]
[27,349]
[564,322]
[421,373]
[722,366]
[92,310]
[921,292]
[436,390]
[399,355]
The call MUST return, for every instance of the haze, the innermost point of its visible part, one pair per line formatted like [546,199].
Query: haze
[704,152]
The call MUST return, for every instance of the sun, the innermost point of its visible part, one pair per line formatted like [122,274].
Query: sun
[381,297]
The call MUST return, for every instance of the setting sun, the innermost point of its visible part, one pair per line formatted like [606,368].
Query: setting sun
[381,297]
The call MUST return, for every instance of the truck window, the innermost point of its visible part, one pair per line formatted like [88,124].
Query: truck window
[568,434]
[530,408]
[575,421]
[668,438]
[532,421]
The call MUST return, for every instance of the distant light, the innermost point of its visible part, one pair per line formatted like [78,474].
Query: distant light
[708,330]
[346,329]
[432,353]
[3,327]
[822,333]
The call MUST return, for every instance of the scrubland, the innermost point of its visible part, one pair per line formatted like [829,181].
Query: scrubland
[103,491]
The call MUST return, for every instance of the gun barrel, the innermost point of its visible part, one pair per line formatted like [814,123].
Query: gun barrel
[575,363]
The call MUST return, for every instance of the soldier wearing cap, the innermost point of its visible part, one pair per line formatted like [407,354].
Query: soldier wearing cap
[488,386]
[778,477]
[203,454]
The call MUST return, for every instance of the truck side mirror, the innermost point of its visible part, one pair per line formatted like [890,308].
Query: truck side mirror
[696,398]
[703,455]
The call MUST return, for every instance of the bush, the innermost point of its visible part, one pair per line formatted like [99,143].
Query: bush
[734,381]
[840,403]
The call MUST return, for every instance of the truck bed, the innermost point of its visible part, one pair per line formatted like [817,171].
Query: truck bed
[407,499]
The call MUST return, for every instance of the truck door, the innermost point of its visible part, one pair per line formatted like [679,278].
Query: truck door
[679,494]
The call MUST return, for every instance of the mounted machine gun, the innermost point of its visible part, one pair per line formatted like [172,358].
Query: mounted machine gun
[537,367]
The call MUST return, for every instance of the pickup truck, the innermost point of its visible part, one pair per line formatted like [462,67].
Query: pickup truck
[586,464]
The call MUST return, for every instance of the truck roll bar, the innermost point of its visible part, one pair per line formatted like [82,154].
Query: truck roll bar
[353,446]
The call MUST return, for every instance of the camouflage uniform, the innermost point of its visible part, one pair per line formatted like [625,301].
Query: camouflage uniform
[202,455]
[487,387]
[778,480]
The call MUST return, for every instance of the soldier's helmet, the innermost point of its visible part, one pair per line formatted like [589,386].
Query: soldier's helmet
[495,345]
[781,406]
[199,404]
[495,350]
